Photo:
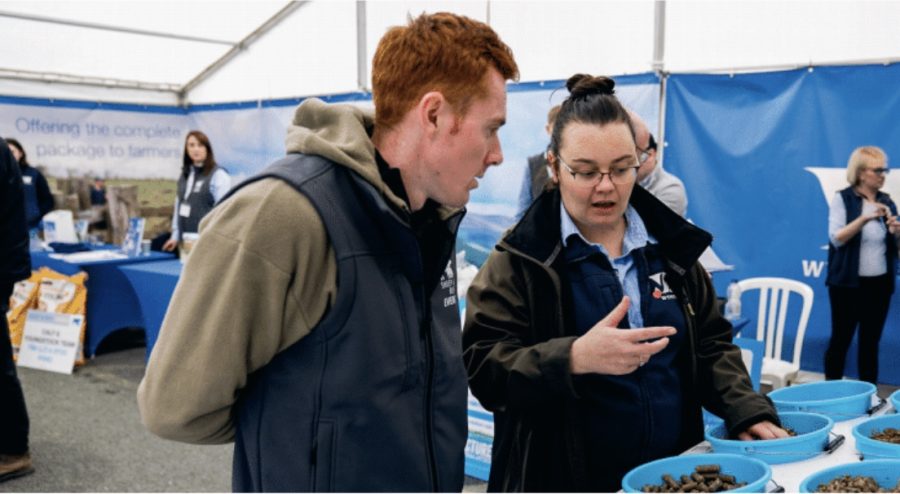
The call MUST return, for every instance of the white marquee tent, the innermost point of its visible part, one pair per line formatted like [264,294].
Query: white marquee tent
[196,52]
[758,103]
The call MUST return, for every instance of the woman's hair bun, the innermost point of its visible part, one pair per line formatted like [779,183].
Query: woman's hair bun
[584,85]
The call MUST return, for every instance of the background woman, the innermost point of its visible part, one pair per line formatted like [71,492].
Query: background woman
[591,331]
[201,184]
[38,198]
[862,261]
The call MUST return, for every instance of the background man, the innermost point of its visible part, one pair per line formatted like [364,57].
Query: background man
[666,187]
[537,173]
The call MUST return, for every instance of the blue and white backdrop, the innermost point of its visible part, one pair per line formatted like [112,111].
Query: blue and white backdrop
[761,156]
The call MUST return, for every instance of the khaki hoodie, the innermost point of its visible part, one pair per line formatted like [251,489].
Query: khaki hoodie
[261,276]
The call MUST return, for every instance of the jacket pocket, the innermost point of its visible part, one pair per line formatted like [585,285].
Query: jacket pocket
[409,325]
[325,456]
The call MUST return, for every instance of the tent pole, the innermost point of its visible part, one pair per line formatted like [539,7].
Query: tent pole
[80,80]
[362,74]
[659,66]
[109,27]
[661,125]
[659,35]
[243,44]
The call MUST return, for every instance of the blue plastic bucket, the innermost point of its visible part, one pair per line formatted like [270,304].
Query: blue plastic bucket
[872,448]
[750,470]
[812,437]
[885,472]
[840,400]
[895,400]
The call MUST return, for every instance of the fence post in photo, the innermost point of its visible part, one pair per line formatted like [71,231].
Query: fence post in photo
[123,204]
[83,189]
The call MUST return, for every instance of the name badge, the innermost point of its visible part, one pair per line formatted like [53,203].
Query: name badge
[26,179]
[184,210]
[198,186]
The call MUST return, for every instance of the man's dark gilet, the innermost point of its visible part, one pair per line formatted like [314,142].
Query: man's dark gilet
[374,397]
[201,201]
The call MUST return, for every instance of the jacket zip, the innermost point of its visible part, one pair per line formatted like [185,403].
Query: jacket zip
[429,378]
[429,373]
[429,426]
[314,453]
[689,319]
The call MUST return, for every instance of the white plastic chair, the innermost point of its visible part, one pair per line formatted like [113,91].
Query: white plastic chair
[774,295]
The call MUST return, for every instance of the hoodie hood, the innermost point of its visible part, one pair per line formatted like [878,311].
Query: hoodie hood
[340,133]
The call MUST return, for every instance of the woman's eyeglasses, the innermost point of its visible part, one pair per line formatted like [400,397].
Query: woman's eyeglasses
[880,171]
[618,175]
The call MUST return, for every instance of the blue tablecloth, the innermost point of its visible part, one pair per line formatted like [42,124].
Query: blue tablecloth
[111,302]
[153,284]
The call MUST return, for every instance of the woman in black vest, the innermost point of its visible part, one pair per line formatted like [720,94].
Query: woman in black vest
[201,184]
[592,332]
[862,262]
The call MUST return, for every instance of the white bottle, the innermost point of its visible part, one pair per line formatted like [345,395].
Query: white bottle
[733,303]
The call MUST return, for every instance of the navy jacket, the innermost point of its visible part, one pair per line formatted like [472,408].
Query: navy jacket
[15,261]
[38,198]
[843,262]
[642,408]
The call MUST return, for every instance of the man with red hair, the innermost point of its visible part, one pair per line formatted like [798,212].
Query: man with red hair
[316,323]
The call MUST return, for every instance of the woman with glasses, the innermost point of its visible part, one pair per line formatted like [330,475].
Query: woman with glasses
[591,331]
[862,261]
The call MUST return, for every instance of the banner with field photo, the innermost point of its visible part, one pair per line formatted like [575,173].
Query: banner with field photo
[73,143]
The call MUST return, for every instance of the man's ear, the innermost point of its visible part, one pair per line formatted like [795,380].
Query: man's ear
[429,109]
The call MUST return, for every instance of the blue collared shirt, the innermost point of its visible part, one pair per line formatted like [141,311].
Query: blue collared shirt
[636,236]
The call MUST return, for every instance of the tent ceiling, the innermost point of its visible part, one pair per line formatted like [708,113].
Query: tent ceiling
[165,43]
[224,20]
[714,35]
[314,50]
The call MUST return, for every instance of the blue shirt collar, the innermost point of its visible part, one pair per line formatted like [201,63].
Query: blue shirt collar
[636,235]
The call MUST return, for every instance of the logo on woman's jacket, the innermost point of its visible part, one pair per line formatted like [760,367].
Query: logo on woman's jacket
[659,289]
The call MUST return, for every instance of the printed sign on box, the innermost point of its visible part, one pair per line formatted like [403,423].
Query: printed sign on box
[131,245]
[50,341]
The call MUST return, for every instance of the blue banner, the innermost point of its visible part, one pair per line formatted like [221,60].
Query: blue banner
[761,156]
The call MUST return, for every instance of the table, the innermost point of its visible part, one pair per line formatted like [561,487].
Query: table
[111,302]
[790,475]
[153,283]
